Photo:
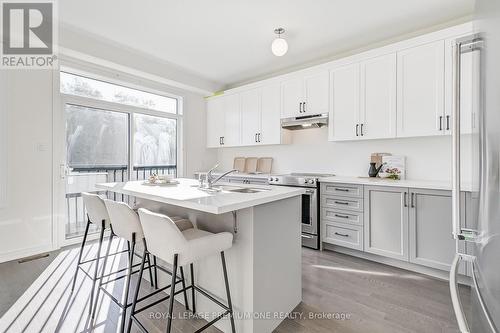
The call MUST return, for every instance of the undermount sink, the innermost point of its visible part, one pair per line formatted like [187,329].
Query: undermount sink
[246,190]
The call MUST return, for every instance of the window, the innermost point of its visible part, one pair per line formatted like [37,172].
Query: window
[85,87]
[113,134]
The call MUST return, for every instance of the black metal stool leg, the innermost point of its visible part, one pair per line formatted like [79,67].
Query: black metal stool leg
[230,304]
[192,288]
[127,283]
[150,271]
[80,254]
[186,304]
[136,294]
[101,278]
[156,272]
[172,295]
[101,236]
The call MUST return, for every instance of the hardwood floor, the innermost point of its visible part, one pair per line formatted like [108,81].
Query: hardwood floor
[340,294]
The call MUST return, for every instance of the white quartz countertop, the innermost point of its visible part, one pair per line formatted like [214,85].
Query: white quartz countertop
[187,195]
[424,184]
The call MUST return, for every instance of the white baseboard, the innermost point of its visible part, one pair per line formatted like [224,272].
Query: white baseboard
[435,273]
[15,255]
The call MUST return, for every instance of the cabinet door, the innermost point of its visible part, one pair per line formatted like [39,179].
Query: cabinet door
[420,99]
[386,221]
[430,228]
[292,97]
[378,98]
[270,115]
[316,93]
[215,122]
[232,129]
[344,112]
[250,116]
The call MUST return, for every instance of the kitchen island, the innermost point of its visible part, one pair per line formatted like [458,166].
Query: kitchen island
[264,264]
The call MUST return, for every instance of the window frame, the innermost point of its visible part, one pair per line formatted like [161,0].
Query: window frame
[129,110]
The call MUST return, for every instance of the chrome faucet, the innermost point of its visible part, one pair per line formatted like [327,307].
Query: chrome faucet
[211,180]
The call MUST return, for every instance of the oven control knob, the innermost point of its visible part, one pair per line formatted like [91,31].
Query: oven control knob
[311,181]
[276,179]
[270,179]
[306,181]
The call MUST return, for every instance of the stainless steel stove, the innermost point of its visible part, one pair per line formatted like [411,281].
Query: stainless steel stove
[310,203]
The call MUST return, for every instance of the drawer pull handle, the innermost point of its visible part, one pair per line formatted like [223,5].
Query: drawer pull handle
[342,189]
[341,203]
[339,234]
[342,216]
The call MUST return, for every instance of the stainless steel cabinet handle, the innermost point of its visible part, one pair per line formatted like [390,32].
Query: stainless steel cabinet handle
[440,123]
[412,204]
[342,216]
[342,189]
[256,137]
[357,127]
[362,129]
[405,201]
[447,122]
[341,202]
[300,107]
[339,234]
[259,136]
[304,106]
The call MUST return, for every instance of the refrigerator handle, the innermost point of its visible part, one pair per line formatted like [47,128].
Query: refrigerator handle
[455,134]
[455,299]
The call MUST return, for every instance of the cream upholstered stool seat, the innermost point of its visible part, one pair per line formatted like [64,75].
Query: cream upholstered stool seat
[164,240]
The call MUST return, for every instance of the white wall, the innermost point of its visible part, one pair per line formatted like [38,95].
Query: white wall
[26,216]
[428,158]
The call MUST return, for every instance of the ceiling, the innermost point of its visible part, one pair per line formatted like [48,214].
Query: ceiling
[228,41]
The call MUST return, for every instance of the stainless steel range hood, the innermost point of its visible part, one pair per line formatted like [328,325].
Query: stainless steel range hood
[304,122]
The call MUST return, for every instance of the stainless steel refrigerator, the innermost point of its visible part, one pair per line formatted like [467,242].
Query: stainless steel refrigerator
[476,169]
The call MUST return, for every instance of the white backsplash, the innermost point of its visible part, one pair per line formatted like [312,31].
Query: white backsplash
[427,158]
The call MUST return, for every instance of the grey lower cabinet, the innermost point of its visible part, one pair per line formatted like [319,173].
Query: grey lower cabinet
[430,228]
[407,224]
[386,221]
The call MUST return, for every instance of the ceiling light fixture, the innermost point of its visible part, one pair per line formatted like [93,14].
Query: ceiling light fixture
[279,45]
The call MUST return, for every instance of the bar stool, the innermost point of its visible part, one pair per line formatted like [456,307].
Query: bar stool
[98,215]
[165,241]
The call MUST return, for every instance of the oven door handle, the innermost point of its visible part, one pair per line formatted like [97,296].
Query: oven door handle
[310,191]
[307,236]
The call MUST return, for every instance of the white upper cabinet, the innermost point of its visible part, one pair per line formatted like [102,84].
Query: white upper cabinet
[420,99]
[344,112]
[215,122]
[271,132]
[305,95]
[291,93]
[250,116]
[378,98]
[316,93]
[232,123]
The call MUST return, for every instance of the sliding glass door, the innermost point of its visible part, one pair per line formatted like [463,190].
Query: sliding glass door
[111,134]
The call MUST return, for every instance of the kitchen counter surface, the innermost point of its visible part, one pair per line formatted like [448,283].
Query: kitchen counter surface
[424,184]
[187,195]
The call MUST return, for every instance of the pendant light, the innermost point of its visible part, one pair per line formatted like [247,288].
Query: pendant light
[279,45]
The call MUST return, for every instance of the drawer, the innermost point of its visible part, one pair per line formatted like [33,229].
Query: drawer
[350,236]
[342,203]
[345,190]
[341,216]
